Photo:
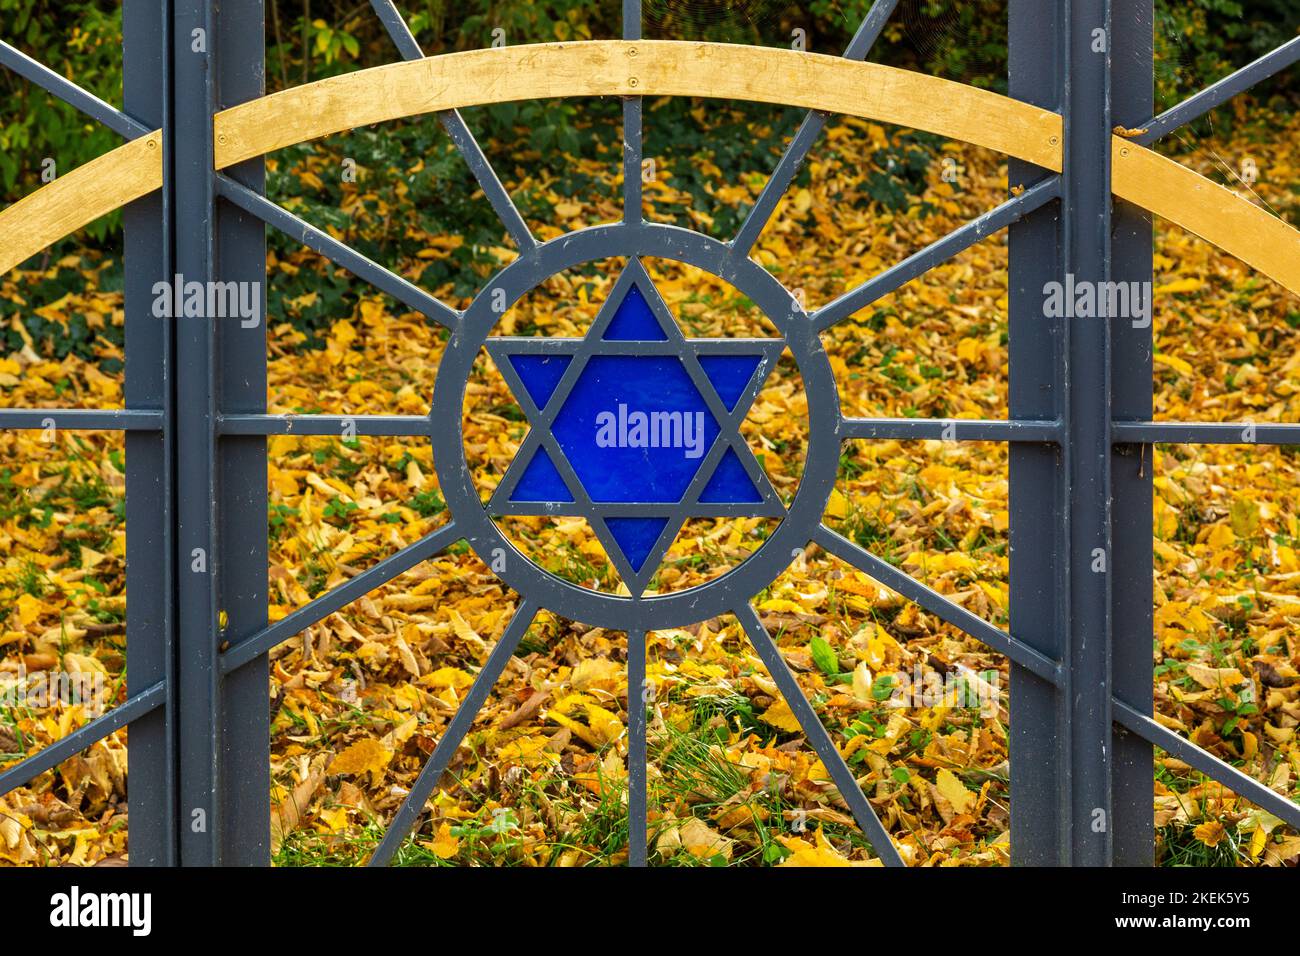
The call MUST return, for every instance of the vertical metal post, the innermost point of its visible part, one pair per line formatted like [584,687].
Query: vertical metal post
[1132,765]
[221,483]
[637,809]
[149,553]
[1036,472]
[633,133]
[1090,554]
[637,752]
[242,467]
[1060,57]
[189,137]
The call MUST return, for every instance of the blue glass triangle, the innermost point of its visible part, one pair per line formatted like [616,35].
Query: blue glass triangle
[634,321]
[541,481]
[636,537]
[730,374]
[540,374]
[729,484]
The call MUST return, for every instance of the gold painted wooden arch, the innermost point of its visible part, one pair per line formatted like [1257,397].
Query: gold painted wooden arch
[80,197]
[651,68]
[657,68]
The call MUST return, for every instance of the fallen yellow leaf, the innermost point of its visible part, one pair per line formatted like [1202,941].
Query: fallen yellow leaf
[954,791]
[780,716]
[1211,833]
[364,755]
[444,845]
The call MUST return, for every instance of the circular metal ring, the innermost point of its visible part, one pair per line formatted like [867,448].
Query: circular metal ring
[658,611]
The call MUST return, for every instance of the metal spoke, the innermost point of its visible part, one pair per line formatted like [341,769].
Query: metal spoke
[395,426]
[82,419]
[1239,783]
[460,134]
[397,29]
[937,252]
[633,144]
[32,767]
[488,181]
[821,741]
[395,564]
[429,776]
[797,151]
[1206,433]
[341,254]
[80,99]
[934,602]
[1197,106]
[631,19]
[637,757]
[633,126]
[951,429]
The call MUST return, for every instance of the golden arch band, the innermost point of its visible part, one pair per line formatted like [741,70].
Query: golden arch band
[656,68]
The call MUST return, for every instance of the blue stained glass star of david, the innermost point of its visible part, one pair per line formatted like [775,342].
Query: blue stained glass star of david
[635,427]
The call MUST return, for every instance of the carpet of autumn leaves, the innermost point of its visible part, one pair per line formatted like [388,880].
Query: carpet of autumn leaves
[360,700]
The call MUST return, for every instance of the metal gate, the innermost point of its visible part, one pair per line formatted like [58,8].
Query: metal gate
[1079,644]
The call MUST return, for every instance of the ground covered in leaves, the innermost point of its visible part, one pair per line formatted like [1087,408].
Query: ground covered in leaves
[918,709]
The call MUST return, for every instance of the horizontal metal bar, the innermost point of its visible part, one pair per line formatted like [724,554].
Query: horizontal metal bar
[1219,93]
[817,736]
[500,345]
[341,254]
[629,509]
[391,425]
[460,724]
[952,429]
[921,262]
[314,611]
[82,419]
[26,770]
[1205,433]
[1239,783]
[83,100]
[934,602]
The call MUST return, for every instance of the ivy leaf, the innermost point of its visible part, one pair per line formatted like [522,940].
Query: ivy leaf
[824,657]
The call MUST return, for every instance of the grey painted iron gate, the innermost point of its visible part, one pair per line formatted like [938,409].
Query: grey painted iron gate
[1080,438]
